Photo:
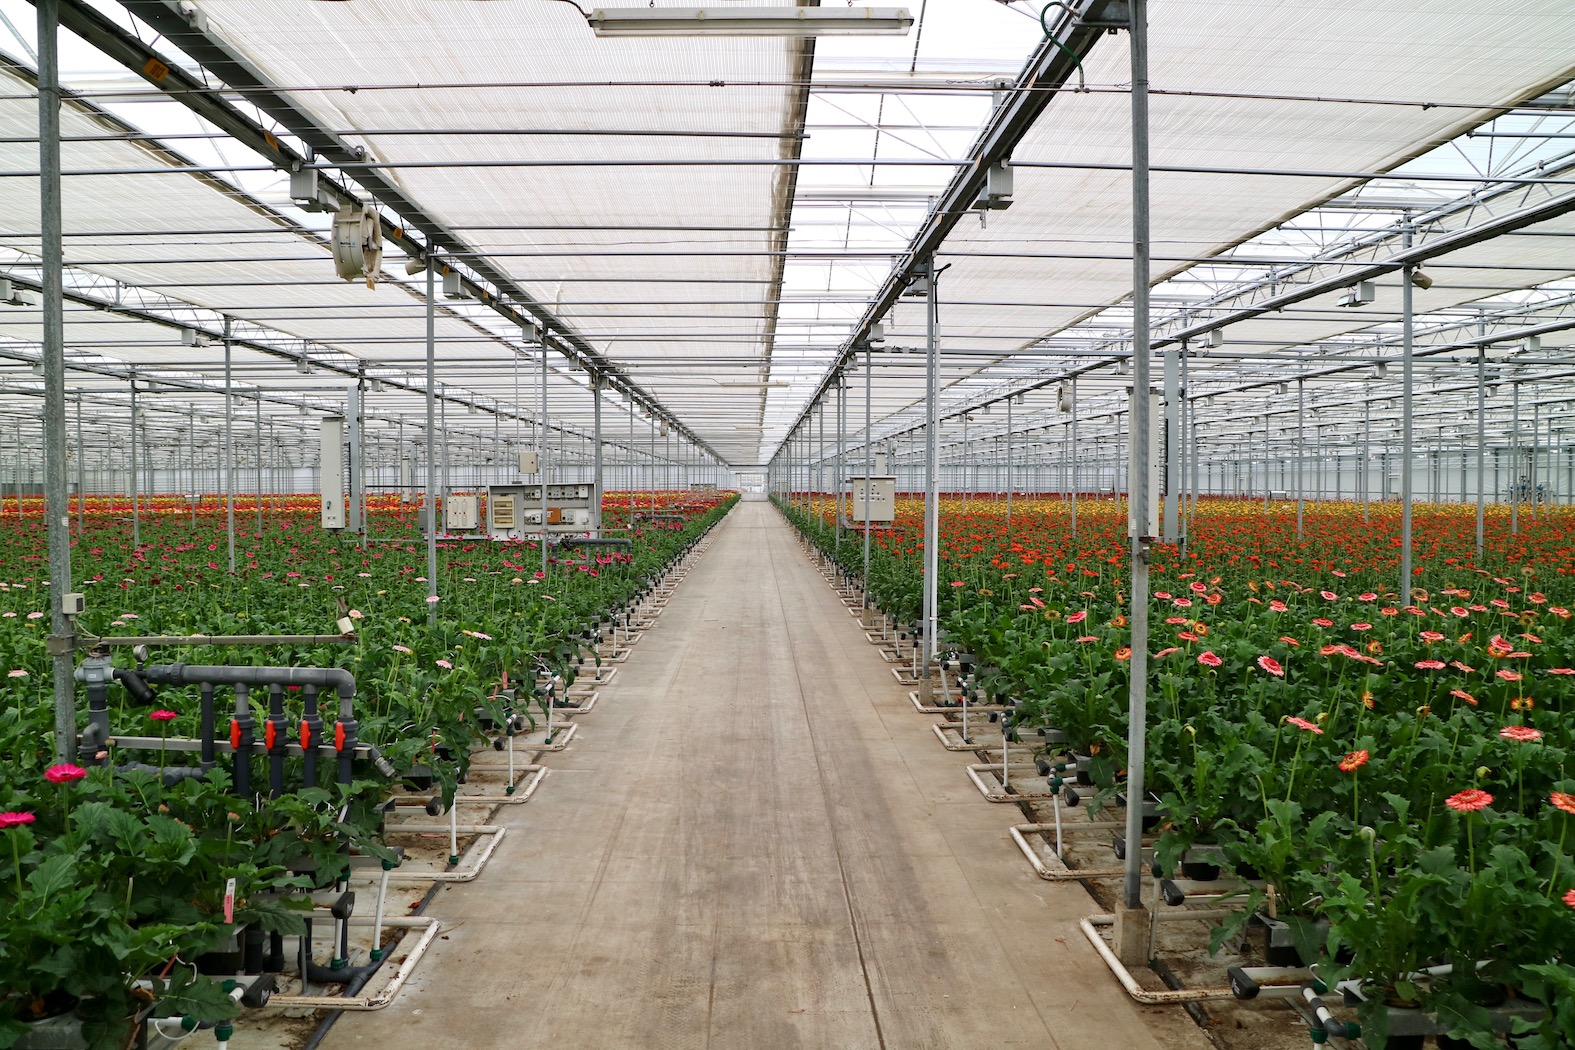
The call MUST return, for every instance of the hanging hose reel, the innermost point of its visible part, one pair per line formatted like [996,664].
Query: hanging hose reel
[358,244]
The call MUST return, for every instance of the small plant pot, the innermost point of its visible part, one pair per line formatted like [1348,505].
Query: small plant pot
[1247,871]
[60,1032]
[1199,871]
[1082,769]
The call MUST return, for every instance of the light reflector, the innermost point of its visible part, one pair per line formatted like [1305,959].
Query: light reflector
[750,21]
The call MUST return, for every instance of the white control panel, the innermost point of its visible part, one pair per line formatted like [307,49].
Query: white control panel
[875,506]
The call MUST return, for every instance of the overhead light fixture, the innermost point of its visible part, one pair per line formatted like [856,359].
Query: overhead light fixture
[415,265]
[303,366]
[1381,369]
[1215,339]
[1532,345]
[192,337]
[918,287]
[1421,280]
[877,333]
[1359,294]
[750,21]
[453,287]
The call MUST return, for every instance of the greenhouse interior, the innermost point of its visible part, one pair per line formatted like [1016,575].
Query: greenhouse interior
[526,524]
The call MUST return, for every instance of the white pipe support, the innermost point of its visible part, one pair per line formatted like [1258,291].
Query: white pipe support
[524,785]
[386,994]
[1090,926]
[974,774]
[467,873]
[1053,868]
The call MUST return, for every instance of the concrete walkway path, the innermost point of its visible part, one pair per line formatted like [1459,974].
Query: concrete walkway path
[755,843]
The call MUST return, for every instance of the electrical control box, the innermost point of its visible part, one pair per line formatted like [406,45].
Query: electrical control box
[460,514]
[331,476]
[875,506]
[515,511]
[530,462]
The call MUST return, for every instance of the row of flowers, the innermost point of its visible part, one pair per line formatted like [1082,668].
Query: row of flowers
[119,873]
[1394,767]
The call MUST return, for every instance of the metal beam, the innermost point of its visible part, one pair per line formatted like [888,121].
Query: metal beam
[193,38]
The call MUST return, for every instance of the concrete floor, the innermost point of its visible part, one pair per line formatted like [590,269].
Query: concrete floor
[755,843]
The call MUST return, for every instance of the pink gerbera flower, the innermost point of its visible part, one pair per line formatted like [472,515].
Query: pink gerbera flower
[1302,723]
[1271,665]
[1523,734]
[64,773]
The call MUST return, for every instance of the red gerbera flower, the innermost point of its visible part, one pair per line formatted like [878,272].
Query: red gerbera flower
[1208,659]
[64,773]
[1524,734]
[1271,665]
[1560,799]
[1354,760]
[1469,800]
[1302,723]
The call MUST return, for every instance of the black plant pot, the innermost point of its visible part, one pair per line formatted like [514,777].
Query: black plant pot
[1199,871]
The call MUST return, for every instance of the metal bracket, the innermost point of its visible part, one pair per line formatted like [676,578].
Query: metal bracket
[60,644]
[1108,14]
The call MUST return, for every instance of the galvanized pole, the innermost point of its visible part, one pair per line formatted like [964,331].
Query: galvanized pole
[1407,355]
[229,451]
[1367,437]
[599,487]
[136,481]
[1171,525]
[836,471]
[81,472]
[1301,413]
[967,418]
[932,503]
[191,458]
[868,454]
[1009,469]
[1531,464]
[57,511]
[432,587]
[259,446]
[1076,454]
[1138,489]
[1514,464]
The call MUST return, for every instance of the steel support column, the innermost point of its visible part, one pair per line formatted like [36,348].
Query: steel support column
[1138,487]
[57,511]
